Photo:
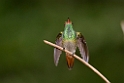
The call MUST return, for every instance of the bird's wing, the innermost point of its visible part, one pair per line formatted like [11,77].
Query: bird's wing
[57,52]
[81,44]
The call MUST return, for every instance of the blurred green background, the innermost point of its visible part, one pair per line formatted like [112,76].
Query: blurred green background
[24,24]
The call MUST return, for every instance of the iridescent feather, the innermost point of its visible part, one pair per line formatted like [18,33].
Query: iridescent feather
[70,40]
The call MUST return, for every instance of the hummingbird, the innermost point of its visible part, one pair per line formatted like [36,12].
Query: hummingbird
[70,40]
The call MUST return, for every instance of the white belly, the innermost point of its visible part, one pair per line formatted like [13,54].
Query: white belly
[70,46]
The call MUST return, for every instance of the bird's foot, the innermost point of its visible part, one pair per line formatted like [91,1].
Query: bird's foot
[63,49]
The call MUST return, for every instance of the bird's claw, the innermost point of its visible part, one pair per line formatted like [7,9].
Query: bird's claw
[64,49]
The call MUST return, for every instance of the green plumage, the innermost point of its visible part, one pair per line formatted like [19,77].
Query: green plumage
[69,33]
[70,40]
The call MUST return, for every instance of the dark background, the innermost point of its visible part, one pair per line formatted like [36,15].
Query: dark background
[24,24]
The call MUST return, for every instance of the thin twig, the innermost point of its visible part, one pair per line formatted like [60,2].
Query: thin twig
[122,26]
[84,62]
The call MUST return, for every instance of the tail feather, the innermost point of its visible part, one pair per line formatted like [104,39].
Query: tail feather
[70,61]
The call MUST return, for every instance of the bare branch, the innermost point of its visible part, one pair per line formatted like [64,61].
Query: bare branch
[122,26]
[84,62]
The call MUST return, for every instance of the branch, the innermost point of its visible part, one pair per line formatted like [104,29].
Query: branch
[75,56]
[122,26]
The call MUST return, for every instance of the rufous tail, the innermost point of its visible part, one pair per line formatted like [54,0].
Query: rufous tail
[70,61]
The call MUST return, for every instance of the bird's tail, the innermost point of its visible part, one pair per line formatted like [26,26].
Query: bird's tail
[70,61]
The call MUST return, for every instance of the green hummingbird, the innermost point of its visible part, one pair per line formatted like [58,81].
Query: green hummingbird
[70,40]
